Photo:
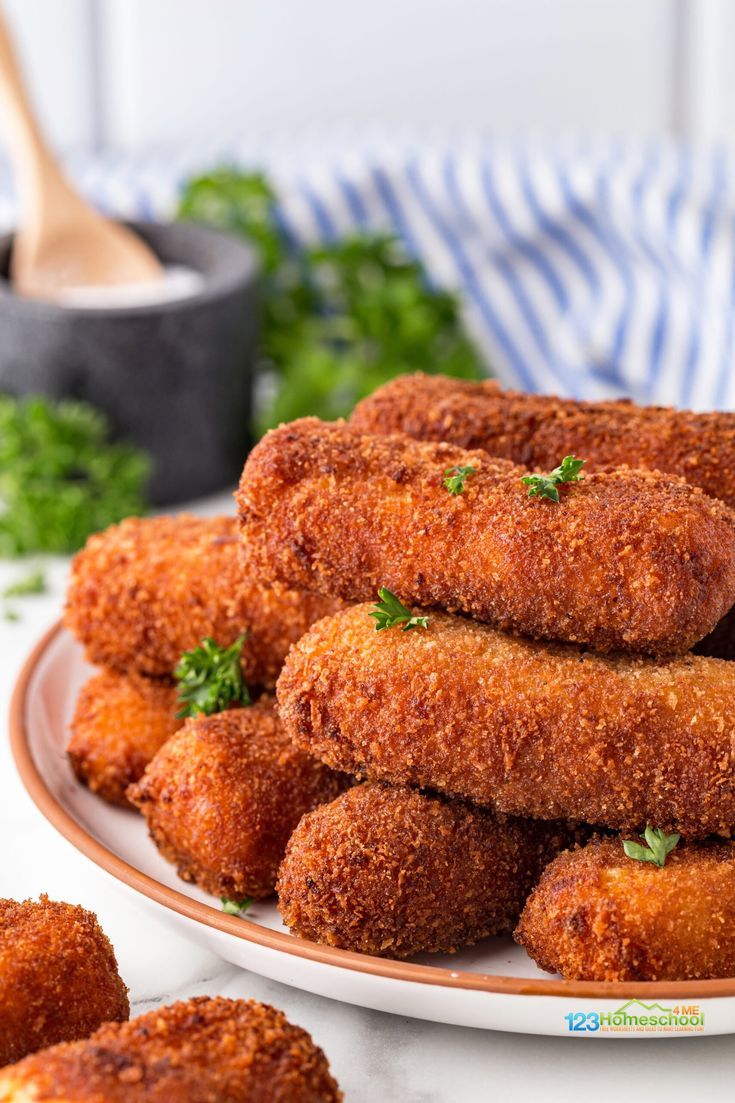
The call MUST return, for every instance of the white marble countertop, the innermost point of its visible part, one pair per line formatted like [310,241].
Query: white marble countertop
[375,1057]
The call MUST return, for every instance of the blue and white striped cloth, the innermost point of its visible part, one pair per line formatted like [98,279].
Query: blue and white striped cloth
[588,270]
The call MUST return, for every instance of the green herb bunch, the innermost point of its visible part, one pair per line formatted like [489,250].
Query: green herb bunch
[338,320]
[61,478]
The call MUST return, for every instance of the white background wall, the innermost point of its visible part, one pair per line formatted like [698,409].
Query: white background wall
[135,73]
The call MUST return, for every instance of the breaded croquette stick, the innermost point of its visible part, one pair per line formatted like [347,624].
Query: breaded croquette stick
[119,723]
[390,871]
[144,591]
[222,796]
[58,976]
[627,560]
[203,1050]
[598,915]
[538,430]
[534,729]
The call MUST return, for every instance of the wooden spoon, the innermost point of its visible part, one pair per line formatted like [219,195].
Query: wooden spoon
[61,241]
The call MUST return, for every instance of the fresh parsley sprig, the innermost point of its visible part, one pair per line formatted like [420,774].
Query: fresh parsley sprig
[659,846]
[235,907]
[545,486]
[210,678]
[389,612]
[26,586]
[455,478]
[32,583]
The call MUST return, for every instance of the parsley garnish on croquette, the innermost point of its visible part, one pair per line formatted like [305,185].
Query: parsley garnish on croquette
[659,846]
[210,678]
[389,612]
[455,478]
[545,486]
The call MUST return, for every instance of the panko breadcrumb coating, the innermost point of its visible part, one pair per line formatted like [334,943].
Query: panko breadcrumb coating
[58,976]
[628,560]
[222,796]
[539,430]
[203,1050]
[541,730]
[390,871]
[119,723]
[598,915]
[144,591]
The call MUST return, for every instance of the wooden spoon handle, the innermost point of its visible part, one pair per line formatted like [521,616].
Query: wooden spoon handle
[31,157]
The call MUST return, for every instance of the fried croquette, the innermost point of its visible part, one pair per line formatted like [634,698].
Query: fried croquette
[203,1050]
[144,591]
[628,560]
[222,796]
[598,915]
[119,723]
[538,430]
[390,871]
[540,730]
[58,976]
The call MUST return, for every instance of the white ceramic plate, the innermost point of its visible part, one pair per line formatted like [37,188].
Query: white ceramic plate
[494,985]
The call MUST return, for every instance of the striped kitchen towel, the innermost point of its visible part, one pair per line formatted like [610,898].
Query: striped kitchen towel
[590,270]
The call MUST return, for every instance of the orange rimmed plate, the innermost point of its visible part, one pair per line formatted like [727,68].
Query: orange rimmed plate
[493,985]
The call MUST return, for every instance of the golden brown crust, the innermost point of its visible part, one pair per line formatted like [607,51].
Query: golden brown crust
[145,590]
[539,430]
[203,1050]
[540,730]
[598,915]
[390,871]
[58,976]
[223,795]
[119,723]
[628,560]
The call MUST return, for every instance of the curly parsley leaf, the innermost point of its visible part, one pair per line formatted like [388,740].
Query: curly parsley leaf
[389,612]
[339,319]
[659,846]
[455,478]
[28,585]
[545,486]
[210,678]
[32,583]
[235,907]
[61,477]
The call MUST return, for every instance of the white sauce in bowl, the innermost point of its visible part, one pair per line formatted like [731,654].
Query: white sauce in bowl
[177,283]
